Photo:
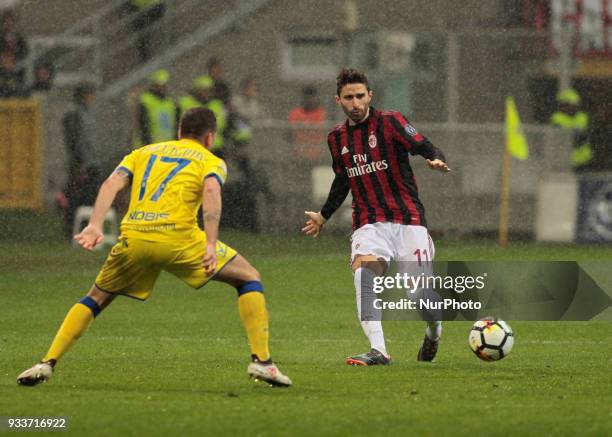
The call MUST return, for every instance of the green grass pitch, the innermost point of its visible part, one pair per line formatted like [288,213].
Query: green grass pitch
[176,365]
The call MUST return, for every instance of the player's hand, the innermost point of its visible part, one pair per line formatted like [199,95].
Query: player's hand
[314,224]
[438,164]
[90,237]
[209,262]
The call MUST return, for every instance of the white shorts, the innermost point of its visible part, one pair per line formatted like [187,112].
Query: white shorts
[393,242]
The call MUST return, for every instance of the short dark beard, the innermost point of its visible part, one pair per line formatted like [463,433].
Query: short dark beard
[367,113]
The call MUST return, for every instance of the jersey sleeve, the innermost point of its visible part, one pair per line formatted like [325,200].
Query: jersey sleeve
[128,163]
[404,133]
[339,188]
[338,170]
[335,155]
[216,168]
[410,139]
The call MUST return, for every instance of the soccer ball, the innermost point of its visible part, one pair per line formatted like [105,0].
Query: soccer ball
[491,339]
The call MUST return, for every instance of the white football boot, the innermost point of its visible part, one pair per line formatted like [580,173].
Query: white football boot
[268,373]
[40,372]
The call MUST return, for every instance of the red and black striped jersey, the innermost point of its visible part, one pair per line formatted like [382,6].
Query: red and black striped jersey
[371,160]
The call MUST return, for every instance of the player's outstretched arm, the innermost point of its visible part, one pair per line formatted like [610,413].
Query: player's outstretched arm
[314,224]
[92,235]
[417,144]
[211,207]
[434,156]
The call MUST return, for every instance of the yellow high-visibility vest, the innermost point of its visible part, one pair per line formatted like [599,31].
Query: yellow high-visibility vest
[582,153]
[218,108]
[161,114]
[578,121]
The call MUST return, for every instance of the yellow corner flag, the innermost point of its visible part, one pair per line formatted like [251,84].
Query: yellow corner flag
[515,137]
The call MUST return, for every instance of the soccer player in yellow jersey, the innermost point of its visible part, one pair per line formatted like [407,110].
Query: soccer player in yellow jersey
[169,182]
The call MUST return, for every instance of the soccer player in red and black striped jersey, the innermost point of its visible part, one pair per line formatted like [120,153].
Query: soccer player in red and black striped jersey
[370,154]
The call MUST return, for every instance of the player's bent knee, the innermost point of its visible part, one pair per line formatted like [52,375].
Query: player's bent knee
[237,272]
[253,274]
[248,273]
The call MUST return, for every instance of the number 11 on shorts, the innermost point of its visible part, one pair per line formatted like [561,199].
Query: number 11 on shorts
[420,254]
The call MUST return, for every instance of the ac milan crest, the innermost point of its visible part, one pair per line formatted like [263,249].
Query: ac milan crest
[372,141]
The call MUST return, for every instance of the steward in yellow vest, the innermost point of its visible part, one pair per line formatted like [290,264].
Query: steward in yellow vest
[157,113]
[202,95]
[570,118]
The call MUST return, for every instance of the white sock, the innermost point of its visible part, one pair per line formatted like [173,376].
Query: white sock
[372,326]
[434,330]
[374,331]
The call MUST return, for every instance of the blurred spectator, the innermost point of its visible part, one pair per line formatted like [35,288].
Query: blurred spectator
[84,160]
[146,13]
[242,193]
[11,79]
[217,73]
[246,105]
[308,122]
[202,94]
[242,111]
[157,113]
[43,77]
[11,40]
[570,118]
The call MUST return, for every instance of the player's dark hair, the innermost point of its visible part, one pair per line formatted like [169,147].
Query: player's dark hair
[197,122]
[350,75]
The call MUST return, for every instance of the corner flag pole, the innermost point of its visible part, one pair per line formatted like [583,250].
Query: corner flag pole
[516,146]
[504,200]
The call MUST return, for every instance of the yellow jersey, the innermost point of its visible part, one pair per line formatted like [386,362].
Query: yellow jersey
[167,182]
